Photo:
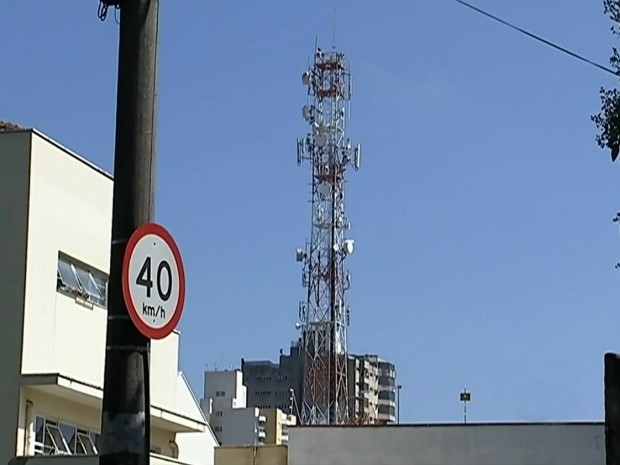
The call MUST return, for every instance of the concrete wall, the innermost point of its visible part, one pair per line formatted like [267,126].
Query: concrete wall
[252,455]
[14,188]
[239,426]
[509,444]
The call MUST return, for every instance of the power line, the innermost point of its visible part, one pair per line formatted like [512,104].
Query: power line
[537,38]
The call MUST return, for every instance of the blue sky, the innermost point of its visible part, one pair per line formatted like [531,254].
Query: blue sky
[482,215]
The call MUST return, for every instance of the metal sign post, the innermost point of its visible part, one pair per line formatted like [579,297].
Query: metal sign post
[465,397]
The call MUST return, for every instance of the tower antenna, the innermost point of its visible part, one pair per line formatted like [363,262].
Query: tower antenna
[334,31]
[324,314]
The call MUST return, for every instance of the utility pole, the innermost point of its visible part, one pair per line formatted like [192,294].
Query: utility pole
[398,388]
[125,417]
[612,409]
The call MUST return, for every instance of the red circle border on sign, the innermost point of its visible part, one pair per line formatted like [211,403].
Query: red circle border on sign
[139,233]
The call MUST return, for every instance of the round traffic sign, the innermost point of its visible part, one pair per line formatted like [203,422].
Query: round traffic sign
[153,281]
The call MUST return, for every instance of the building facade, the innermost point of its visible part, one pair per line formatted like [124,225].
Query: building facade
[251,455]
[56,211]
[225,406]
[387,396]
[363,387]
[275,385]
[371,384]
[277,425]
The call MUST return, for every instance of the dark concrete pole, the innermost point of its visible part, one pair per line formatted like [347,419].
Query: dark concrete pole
[125,416]
[612,409]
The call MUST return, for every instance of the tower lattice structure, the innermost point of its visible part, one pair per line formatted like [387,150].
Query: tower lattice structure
[324,314]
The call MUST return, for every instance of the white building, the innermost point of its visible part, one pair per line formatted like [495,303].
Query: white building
[55,226]
[372,389]
[225,405]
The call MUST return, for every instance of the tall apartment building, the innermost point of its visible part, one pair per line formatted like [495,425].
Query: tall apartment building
[55,228]
[363,385]
[387,391]
[269,384]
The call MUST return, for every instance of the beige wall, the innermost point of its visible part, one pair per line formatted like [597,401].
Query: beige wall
[251,455]
[455,444]
[71,212]
[14,150]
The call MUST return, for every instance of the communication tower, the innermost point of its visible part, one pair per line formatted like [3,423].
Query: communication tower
[324,314]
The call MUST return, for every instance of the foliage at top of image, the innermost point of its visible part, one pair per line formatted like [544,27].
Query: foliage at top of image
[608,120]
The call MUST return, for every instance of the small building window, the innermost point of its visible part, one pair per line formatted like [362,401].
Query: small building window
[84,443]
[78,280]
[55,438]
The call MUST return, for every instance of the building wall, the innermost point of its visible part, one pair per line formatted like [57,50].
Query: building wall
[70,212]
[82,416]
[238,426]
[269,384]
[197,448]
[277,425]
[14,188]
[251,455]
[229,385]
[509,444]
[387,391]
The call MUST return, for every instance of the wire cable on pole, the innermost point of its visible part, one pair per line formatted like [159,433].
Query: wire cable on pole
[536,37]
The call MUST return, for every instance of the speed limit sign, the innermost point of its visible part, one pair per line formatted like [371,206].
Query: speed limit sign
[153,281]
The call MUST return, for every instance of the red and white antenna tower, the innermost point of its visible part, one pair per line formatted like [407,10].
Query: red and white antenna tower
[324,314]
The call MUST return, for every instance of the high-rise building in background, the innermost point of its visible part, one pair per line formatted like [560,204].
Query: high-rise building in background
[387,391]
[371,386]
[372,390]
[234,421]
[275,385]
[225,405]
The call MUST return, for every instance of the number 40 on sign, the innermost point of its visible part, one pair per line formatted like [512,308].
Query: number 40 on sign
[153,281]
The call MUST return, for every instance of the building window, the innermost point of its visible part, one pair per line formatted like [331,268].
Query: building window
[387,395]
[220,393]
[55,438]
[78,280]
[218,413]
[217,429]
[386,410]
[386,381]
